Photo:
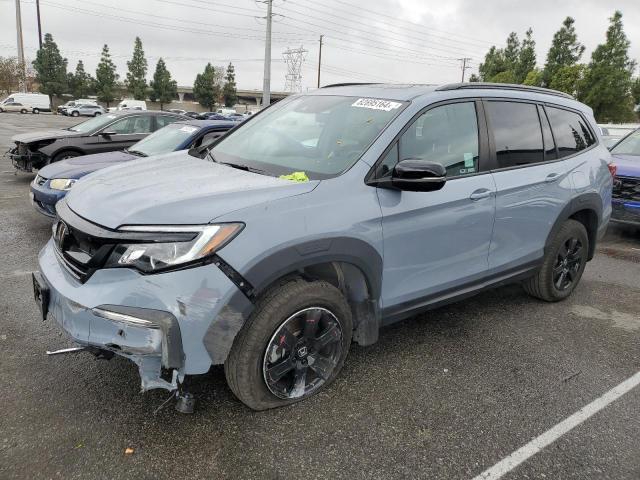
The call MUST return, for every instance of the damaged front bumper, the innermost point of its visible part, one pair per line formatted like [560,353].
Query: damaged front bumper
[157,321]
[24,159]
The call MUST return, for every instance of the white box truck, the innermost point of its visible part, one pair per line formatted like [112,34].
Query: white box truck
[36,102]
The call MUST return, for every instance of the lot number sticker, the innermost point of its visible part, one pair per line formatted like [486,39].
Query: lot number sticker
[376,104]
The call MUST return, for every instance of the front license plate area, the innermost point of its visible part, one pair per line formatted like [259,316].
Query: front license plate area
[40,294]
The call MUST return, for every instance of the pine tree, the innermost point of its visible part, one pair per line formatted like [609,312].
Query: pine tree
[608,80]
[51,68]
[163,88]
[137,75]
[565,50]
[106,78]
[229,91]
[526,58]
[206,88]
[493,64]
[80,81]
[512,52]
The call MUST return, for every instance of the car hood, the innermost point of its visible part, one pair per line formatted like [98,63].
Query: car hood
[80,166]
[173,189]
[627,165]
[44,135]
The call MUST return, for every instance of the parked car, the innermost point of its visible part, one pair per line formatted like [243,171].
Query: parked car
[72,103]
[212,116]
[54,181]
[85,110]
[38,102]
[195,115]
[178,111]
[15,107]
[104,133]
[333,214]
[129,104]
[236,117]
[626,187]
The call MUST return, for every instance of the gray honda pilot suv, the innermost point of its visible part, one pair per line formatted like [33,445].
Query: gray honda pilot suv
[320,220]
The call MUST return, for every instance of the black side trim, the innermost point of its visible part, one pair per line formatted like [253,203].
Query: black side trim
[167,323]
[399,312]
[238,280]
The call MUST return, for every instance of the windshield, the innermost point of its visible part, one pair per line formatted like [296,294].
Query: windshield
[321,136]
[165,140]
[93,124]
[629,146]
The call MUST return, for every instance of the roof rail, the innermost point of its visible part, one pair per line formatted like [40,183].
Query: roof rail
[503,86]
[351,84]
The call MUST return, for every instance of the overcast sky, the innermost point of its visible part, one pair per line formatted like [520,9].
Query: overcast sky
[417,41]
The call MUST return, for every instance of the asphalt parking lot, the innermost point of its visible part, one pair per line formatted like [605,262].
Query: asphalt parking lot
[444,395]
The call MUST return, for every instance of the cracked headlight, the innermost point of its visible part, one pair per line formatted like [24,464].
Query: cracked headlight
[158,255]
[62,183]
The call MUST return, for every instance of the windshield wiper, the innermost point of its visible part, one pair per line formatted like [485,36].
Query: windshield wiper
[136,152]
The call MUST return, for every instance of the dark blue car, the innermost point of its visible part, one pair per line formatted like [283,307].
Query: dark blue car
[54,181]
[626,188]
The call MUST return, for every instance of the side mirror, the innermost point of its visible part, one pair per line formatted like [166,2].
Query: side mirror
[107,133]
[414,175]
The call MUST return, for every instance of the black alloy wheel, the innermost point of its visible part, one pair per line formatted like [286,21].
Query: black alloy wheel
[568,263]
[303,353]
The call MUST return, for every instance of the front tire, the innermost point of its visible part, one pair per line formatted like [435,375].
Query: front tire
[75,114]
[64,156]
[97,114]
[23,111]
[293,345]
[563,264]
[36,111]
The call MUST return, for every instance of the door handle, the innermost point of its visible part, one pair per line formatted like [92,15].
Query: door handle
[480,194]
[552,177]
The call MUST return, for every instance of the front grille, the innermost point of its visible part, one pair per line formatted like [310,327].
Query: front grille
[627,188]
[22,149]
[80,253]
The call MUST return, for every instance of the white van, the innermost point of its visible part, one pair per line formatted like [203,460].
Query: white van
[226,111]
[36,102]
[128,104]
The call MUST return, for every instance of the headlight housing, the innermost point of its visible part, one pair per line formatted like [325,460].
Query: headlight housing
[151,257]
[62,183]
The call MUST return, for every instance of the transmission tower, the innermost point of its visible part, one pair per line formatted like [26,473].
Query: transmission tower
[294,58]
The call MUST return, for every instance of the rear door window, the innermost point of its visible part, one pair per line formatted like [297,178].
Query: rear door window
[517,133]
[570,130]
[164,120]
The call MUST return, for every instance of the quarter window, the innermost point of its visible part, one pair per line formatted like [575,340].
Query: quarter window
[517,133]
[571,131]
[447,135]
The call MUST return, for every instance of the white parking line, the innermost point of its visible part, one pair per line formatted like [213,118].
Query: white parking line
[547,438]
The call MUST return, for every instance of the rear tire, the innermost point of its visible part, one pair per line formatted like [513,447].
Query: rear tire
[97,114]
[36,111]
[75,114]
[563,264]
[23,111]
[261,344]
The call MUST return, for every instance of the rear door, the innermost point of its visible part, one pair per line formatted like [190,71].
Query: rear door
[437,241]
[125,132]
[532,184]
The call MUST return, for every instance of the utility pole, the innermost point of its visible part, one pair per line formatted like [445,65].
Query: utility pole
[319,60]
[21,84]
[39,24]
[464,66]
[266,85]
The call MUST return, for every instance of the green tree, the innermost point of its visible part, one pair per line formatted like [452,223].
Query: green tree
[635,91]
[533,78]
[512,52]
[51,68]
[526,58]
[569,79]
[508,76]
[608,80]
[137,75]
[474,78]
[207,87]
[163,88]
[229,91]
[106,78]
[493,64]
[80,82]
[565,50]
